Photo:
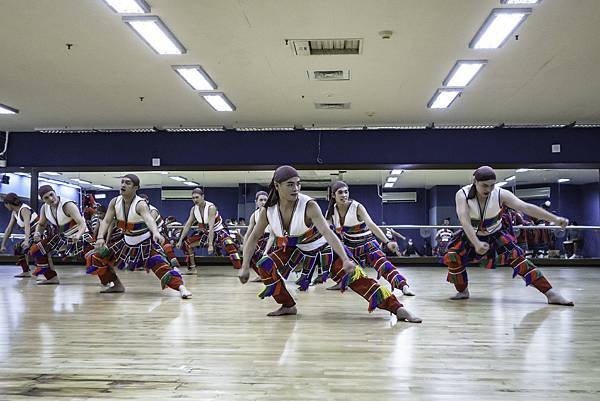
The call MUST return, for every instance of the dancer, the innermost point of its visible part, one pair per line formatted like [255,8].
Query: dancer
[163,229]
[359,234]
[70,234]
[23,216]
[265,242]
[298,223]
[209,231]
[140,245]
[487,238]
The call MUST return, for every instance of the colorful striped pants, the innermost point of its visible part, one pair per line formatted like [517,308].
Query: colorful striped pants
[274,268]
[148,254]
[221,239]
[503,251]
[370,254]
[41,251]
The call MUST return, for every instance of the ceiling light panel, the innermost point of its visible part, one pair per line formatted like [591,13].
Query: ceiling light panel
[443,98]
[156,34]
[498,27]
[196,77]
[463,72]
[219,102]
[128,6]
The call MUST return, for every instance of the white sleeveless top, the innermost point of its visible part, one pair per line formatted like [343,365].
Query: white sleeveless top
[19,219]
[202,217]
[159,220]
[255,215]
[488,220]
[297,226]
[134,227]
[353,230]
[65,224]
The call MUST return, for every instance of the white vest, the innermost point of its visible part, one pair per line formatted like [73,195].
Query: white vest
[491,213]
[297,225]
[351,220]
[132,218]
[202,217]
[159,221]
[19,219]
[255,216]
[63,219]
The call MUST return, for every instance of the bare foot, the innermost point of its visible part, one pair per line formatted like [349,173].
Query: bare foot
[284,310]
[336,287]
[406,291]
[461,295]
[555,298]
[185,293]
[53,280]
[115,286]
[404,315]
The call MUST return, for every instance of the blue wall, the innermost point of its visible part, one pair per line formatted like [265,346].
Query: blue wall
[309,148]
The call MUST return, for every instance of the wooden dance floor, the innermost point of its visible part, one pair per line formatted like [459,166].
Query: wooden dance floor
[69,342]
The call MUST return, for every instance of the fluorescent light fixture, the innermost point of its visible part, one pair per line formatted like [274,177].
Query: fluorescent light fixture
[50,173]
[514,2]
[501,183]
[156,34]
[463,72]
[521,170]
[388,185]
[4,109]
[81,181]
[511,178]
[396,172]
[178,178]
[128,6]
[564,180]
[392,179]
[100,196]
[443,98]
[498,27]
[219,102]
[196,77]
[191,183]
[101,186]
[24,174]
[162,172]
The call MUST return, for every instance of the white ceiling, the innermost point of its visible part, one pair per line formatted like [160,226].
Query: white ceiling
[550,75]
[408,179]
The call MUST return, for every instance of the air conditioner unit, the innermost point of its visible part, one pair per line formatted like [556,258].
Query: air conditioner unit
[392,197]
[533,193]
[172,194]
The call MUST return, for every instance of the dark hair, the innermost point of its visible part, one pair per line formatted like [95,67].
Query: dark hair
[44,189]
[281,174]
[134,178]
[101,209]
[198,190]
[483,173]
[144,197]
[13,199]
[333,188]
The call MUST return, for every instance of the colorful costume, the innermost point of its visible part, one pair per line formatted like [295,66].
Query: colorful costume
[493,227]
[363,245]
[59,241]
[135,249]
[275,267]
[19,250]
[221,236]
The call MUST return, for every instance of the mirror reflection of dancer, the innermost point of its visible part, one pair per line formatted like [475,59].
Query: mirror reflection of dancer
[486,236]
[359,234]
[210,231]
[26,219]
[443,237]
[297,222]
[265,242]
[69,236]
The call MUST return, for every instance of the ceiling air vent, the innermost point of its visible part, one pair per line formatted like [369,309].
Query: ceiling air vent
[333,106]
[329,75]
[325,47]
